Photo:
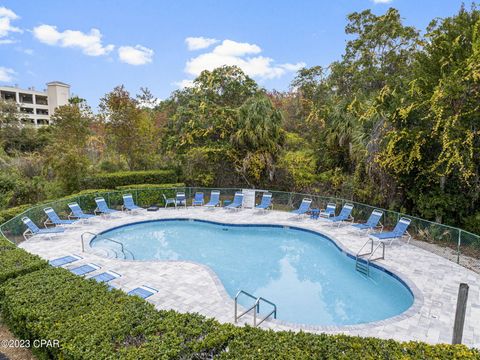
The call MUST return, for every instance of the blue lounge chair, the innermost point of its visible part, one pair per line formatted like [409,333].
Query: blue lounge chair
[168,201]
[106,276]
[129,204]
[266,202]
[84,269]
[54,219]
[373,221]
[102,207]
[303,208]
[33,229]
[77,212]
[198,199]
[237,201]
[180,199]
[143,291]
[328,211]
[64,260]
[399,231]
[345,215]
[214,199]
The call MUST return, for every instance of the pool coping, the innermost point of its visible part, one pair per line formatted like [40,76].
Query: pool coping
[418,298]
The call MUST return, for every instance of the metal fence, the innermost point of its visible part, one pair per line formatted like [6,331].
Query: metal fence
[450,242]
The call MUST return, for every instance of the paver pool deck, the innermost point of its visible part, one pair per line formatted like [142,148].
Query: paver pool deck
[190,287]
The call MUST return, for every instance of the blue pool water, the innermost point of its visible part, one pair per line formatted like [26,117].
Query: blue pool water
[304,273]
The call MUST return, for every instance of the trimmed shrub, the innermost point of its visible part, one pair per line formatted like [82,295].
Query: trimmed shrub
[258,344]
[15,262]
[113,180]
[150,186]
[146,195]
[92,322]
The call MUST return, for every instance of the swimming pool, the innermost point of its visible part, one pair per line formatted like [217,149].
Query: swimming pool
[304,273]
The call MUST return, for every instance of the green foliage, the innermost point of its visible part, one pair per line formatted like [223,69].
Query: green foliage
[432,140]
[300,166]
[259,344]
[257,140]
[16,190]
[15,262]
[113,180]
[9,213]
[68,151]
[130,128]
[472,223]
[92,322]
[149,194]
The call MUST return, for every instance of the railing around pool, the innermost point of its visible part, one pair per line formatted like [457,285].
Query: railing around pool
[255,307]
[450,242]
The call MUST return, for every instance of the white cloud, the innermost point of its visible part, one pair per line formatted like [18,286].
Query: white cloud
[90,44]
[6,74]
[382,1]
[197,43]
[7,41]
[184,83]
[138,55]
[244,55]
[6,17]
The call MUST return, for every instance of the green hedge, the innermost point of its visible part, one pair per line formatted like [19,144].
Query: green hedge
[15,262]
[92,322]
[9,213]
[113,180]
[258,344]
[148,194]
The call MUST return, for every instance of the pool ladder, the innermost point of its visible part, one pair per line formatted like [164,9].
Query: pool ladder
[255,308]
[122,248]
[362,262]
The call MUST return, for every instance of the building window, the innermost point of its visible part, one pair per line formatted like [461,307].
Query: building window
[26,98]
[26,110]
[42,122]
[42,112]
[28,121]
[8,95]
[41,100]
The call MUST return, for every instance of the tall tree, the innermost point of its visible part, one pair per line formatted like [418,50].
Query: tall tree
[67,153]
[131,129]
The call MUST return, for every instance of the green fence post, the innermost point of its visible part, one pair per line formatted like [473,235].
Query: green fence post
[458,246]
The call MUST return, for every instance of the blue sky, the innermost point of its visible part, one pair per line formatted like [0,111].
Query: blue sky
[95,45]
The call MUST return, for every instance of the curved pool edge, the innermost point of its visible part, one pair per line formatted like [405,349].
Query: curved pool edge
[418,298]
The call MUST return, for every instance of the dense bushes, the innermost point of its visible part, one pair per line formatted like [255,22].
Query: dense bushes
[258,344]
[113,180]
[15,262]
[92,322]
[9,213]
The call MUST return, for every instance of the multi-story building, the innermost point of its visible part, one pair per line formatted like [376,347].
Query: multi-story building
[36,107]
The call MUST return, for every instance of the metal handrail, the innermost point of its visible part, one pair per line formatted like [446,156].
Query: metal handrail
[380,244]
[255,307]
[257,303]
[108,239]
[236,304]
[371,253]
